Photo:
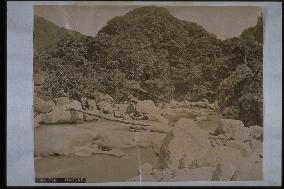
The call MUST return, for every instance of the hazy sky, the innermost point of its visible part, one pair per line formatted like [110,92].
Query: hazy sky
[224,22]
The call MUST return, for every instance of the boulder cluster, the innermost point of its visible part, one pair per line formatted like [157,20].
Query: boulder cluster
[57,111]
[232,152]
[185,150]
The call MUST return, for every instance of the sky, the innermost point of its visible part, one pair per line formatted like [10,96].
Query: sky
[224,22]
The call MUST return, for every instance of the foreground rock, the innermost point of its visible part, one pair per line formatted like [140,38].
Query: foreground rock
[185,144]
[61,113]
[224,159]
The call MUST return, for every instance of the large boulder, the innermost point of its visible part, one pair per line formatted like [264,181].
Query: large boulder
[62,114]
[92,104]
[256,132]
[58,115]
[41,106]
[244,148]
[225,159]
[148,108]
[62,101]
[104,98]
[105,107]
[185,144]
[75,116]
[233,129]
[249,170]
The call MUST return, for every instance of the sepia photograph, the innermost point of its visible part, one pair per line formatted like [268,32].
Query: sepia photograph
[148,93]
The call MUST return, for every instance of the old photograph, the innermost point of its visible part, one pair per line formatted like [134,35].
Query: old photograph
[148,93]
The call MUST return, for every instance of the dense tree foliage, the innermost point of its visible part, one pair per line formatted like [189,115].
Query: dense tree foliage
[151,54]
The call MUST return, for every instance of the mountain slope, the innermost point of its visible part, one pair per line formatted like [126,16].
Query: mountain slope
[157,49]
[152,55]
[47,34]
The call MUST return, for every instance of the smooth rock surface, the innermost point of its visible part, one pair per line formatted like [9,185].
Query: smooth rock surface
[186,142]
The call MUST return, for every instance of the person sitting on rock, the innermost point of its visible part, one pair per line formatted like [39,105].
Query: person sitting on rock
[133,113]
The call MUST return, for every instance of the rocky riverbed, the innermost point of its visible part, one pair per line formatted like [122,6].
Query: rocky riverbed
[182,142]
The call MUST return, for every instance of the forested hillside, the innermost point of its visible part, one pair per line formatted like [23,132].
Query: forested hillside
[152,55]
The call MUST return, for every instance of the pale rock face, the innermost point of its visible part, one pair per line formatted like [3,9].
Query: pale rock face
[244,148]
[151,111]
[62,101]
[256,132]
[75,116]
[75,104]
[185,143]
[58,115]
[104,98]
[92,104]
[105,107]
[222,154]
[146,106]
[225,159]
[234,129]
[42,106]
[250,169]
[61,114]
